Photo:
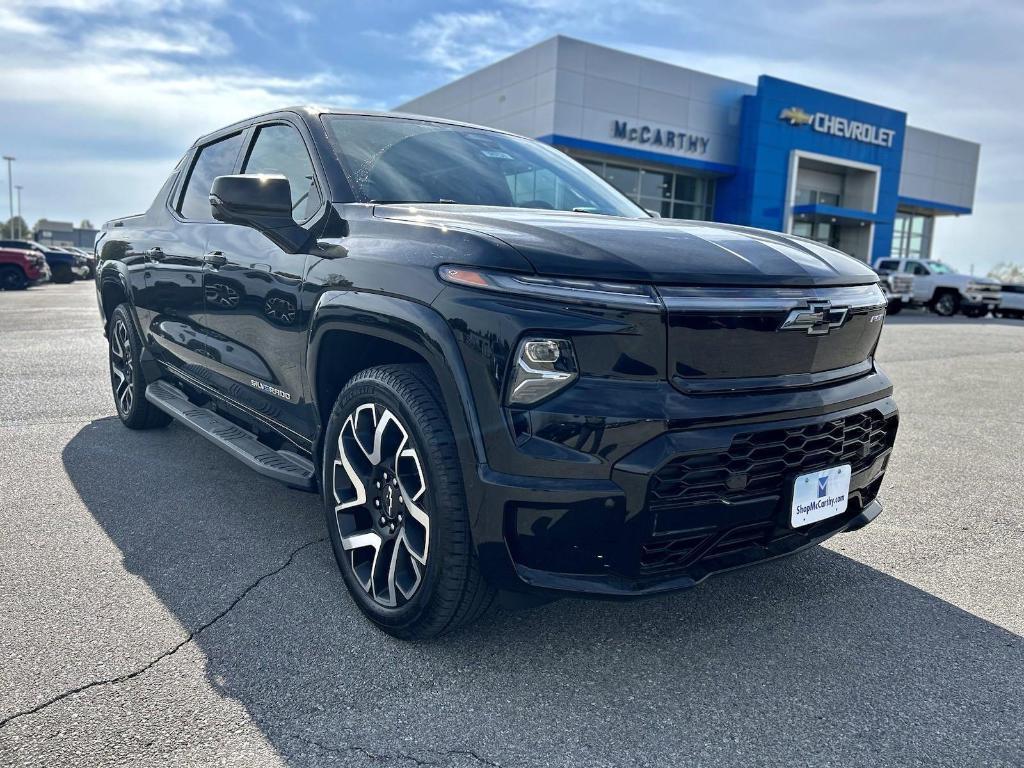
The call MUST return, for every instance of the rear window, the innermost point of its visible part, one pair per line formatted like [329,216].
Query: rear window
[217,159]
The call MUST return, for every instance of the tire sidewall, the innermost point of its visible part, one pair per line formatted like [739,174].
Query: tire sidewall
[12,278]
[356,393]
[121,314]
[955,301]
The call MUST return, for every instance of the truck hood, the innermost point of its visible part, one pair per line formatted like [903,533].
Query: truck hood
[664,251]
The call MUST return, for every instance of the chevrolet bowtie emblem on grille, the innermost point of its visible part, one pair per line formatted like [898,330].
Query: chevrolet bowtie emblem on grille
[795,116]
[817,319]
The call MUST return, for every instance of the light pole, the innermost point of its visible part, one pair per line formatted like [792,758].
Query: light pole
[18,187]
[10,187]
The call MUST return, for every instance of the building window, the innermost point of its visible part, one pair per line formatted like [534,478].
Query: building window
[673,195]
[805,196]
[912,236]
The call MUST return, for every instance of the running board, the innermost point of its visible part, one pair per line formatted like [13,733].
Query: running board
[285,466]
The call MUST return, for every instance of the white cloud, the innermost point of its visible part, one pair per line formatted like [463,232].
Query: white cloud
[460,42]
[296,14]
[101,118]
[192,39]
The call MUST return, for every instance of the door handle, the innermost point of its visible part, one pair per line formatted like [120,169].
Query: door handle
[156,254]
[215,258]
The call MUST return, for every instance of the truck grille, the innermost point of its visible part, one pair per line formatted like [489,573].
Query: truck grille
[901,283]
[760,464]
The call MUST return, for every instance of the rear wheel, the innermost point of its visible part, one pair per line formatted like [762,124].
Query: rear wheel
[12,279]
[126,379]
[946,304]
[396,506]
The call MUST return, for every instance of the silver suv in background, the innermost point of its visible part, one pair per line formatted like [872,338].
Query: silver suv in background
[942,289]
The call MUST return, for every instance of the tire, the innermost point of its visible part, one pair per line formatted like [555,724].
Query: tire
[405,552]
[12,279]
[975,312]
[895,307]
[126,377]
[62,274]
[946,304]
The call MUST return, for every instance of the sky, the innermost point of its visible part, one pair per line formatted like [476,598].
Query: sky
[98,99]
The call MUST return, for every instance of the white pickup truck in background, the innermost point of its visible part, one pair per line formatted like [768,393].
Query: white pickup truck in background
[942,289]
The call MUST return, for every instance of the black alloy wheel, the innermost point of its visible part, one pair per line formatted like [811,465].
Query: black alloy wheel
[12,279]
[396,507]
[947,304]
[126,377]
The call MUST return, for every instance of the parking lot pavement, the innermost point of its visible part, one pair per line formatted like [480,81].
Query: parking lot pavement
[161,605]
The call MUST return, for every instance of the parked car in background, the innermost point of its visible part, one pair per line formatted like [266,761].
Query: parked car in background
[898,289]
[22,267]
[1012,302]
[942,289]
[24,245]
[65,266]
[87,255]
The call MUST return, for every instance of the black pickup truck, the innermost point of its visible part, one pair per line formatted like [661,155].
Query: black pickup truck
[505,378]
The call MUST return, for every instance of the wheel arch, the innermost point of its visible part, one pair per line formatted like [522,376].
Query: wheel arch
[111,290]
[944,289]
[352,331]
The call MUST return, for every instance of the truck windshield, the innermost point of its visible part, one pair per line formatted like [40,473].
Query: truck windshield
[938,268]
[402,160]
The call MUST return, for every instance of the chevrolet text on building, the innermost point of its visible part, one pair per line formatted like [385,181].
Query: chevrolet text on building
[658,137]
[773,154]
[839,126]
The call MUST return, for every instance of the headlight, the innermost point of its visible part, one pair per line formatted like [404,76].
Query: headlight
[595,292]
[542,368]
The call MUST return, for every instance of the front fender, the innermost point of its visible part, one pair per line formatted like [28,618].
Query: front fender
[421,330]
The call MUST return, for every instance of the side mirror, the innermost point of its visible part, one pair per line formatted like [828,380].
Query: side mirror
[260,201]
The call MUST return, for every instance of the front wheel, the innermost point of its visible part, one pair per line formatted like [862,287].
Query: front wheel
[947,304]
[12,279]
[895,307]
[396,505]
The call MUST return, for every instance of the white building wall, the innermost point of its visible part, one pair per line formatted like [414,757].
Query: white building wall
[515,94]
[570,88]
[597,86]
[939,168]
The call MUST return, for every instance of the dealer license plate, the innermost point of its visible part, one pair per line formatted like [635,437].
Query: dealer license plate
[819,495]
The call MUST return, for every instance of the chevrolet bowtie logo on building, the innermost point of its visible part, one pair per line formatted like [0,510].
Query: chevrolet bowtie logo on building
[843,127]
[795,116]
[817,319]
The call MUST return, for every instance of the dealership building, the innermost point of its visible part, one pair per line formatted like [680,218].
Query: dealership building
[776,155]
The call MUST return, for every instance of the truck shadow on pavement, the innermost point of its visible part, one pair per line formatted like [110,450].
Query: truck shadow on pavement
[814,659]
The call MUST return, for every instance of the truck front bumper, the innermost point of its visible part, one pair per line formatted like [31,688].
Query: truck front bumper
[680,507]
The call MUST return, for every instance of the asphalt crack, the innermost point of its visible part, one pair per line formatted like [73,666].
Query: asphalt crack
[166,654]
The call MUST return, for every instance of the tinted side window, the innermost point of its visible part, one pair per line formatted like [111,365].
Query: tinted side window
[214,160]
[280,149]
[890,265]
